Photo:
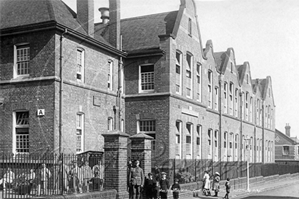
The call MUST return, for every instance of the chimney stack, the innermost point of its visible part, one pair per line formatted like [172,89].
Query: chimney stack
[114,23]
[104,14]
[85,15]
[288,130]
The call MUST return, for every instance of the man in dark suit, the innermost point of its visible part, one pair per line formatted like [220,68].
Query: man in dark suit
[136,181]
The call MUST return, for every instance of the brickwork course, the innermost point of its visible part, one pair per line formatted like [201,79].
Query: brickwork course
[189,121]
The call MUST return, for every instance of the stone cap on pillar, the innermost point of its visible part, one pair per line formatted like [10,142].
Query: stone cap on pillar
[141,136]
[115,133]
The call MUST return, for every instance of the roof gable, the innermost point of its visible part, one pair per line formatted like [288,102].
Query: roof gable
[281,139]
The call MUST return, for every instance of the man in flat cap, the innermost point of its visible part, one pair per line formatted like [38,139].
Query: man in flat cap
[136,181]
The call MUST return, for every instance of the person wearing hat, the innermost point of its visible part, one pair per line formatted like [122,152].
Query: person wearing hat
[150,187]
[136,181]
[164,186]
[175,188]
[216,182]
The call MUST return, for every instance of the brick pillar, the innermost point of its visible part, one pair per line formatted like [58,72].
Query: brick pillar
[141,150]
[115,152]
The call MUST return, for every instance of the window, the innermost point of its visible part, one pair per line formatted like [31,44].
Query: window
[79,132]
[109,80]
[209,136]
[257,112]
[225,146]
[148,127]
[189,140]
[250,108]
[190,26]
[21,126]
[225,140]
[236,150]
[217,99]
[247,106]
[22,58]
[225,97]
[122,125]
[146,78]
[198,141]
[231,98]
[110,124]
[236,94]
[178,140]
[210,89]
[80,65]
[178,72]
[216,145]
[189,60]
[199,67]
[243,105]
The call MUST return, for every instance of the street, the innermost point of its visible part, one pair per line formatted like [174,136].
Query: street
[291,191]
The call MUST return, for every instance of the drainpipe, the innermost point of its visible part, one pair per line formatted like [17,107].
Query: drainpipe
[61,92]
[220,119]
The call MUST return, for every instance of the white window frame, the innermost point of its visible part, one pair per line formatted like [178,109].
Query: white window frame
[236,147]
[217,98]
[231,88]
[225,97]
[225,145]
[236,97]
[247,107]
[24,48]
[178,75]
[199,83]
[110,123]
[190,27]
[215,146]
[250,110]
[110,75]
[80,66]
[151,77]
[210,144]
[178,139]
[189,75]
[17,150]
[198,141]
[189,133]
[209,87]
[80,128]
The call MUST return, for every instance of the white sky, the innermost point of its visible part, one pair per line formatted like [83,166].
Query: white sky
[263,32]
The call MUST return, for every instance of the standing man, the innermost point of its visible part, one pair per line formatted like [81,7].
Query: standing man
[136,181]
[45,175]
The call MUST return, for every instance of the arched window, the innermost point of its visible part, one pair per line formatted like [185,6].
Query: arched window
[178,139]
[236,95]
[216,145]
[209,89]
[231,98]
[198,141]
[209,137]
[225,97]
[250,108]
[247,106]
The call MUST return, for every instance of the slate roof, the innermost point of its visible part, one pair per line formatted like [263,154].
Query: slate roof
[220,59]
[17,13]
[142,32]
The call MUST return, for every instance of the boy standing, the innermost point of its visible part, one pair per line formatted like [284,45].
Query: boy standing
[176,188]
[164,186]
[227,185]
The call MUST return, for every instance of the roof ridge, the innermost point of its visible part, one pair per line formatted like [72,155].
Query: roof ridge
[51,9]
[125,19]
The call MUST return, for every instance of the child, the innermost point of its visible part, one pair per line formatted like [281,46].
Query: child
[150,187]
[227,185]
[164,186]
[176,188]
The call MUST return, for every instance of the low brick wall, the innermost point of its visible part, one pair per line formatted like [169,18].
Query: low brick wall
[109,194]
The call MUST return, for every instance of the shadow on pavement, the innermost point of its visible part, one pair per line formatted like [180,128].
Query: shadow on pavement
[266,197]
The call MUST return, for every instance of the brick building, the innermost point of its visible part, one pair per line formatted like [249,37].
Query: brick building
[286,147]
[194,102]
[59,81]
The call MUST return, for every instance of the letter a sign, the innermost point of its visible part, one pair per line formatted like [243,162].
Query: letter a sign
[40,112]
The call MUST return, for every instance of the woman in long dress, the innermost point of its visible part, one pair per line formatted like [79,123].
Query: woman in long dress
[206,183]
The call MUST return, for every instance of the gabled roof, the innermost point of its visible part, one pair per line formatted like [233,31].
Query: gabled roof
[18,13]
[286,137]
[220,59]
[142,32]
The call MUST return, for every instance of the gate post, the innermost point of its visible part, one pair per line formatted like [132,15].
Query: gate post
[141,150]
[115,153]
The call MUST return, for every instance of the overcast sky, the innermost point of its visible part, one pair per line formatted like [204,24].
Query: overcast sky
[263,32]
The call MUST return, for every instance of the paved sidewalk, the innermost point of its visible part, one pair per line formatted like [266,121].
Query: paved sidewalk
[241,193]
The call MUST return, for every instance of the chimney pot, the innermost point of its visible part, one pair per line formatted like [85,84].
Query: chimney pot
[288,130]
[104,14]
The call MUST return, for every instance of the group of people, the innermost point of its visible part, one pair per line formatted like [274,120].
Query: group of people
[215,186]
[67,178]
[153,187]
